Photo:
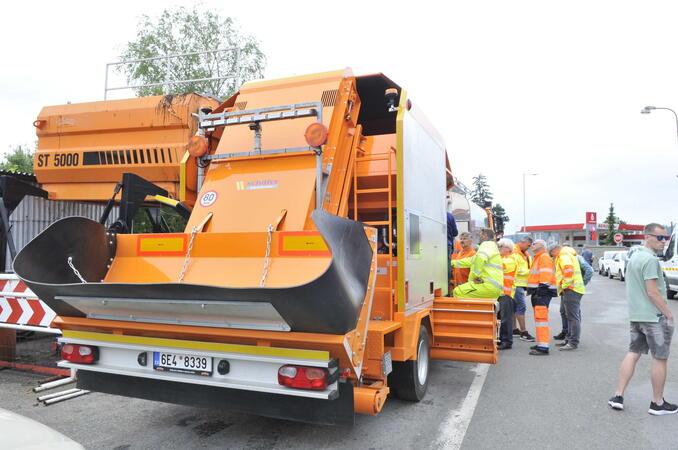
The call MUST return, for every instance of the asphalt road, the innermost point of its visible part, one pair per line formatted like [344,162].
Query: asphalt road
[558,401]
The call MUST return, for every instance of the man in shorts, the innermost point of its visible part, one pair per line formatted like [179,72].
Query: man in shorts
[651,320]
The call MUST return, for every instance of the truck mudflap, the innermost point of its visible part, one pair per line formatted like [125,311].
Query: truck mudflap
[339,411]
[328,304]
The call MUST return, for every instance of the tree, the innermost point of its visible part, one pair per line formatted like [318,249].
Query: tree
[20,159]
[182,30]
[611,220]
[500,218]
[481,194]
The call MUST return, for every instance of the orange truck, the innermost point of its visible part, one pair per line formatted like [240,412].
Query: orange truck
[309,280]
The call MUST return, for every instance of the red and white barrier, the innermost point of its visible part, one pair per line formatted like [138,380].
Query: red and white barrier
[20,308]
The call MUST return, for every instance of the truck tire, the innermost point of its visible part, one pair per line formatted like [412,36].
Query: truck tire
[609,274]
[410,378]
[621,276]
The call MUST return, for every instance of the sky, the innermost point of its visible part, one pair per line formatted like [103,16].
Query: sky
[553,88]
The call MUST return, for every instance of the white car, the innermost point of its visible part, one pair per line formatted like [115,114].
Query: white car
[19,432]
[617,266]
[605,261]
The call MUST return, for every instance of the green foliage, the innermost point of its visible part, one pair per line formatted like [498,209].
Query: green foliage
[611,220]
[182,30]
[481,194]
[19,159]
[500,218]
[170,220]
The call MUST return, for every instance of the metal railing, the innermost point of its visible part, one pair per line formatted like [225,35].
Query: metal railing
[167,81]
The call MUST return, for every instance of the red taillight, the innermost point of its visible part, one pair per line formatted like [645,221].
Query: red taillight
[302,377]
[83,354]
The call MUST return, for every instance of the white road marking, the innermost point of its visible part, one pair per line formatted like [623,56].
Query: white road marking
[454,427]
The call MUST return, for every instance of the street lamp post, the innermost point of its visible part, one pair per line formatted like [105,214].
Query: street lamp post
[649,109]
[524,220]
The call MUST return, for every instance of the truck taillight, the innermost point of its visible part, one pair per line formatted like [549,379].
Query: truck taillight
[302,377]
[83,354]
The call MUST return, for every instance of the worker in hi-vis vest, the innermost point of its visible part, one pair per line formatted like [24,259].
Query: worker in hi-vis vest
[571,289]
[510,263]
[465,250]
[541,285]
[522,272]
[486,279]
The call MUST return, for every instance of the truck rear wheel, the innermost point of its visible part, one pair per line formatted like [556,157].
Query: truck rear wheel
[409,379]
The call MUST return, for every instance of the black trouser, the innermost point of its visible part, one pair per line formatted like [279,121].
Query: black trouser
[506,316]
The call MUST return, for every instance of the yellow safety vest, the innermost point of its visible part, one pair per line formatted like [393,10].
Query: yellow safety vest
[510,264]
[487,265]
[568,273]
[523,270]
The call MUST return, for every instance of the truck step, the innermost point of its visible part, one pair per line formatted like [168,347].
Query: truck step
[372,191]
[438,335]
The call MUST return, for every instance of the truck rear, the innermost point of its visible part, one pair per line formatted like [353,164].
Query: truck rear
[308,281]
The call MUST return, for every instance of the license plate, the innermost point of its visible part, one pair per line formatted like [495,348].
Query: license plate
[176,362]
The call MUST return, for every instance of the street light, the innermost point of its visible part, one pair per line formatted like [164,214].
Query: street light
[525,221]
[649,109]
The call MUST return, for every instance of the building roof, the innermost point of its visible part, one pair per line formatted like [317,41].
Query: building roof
[577,227]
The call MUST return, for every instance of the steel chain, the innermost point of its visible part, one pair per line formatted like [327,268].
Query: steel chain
[267,259]
[75,271]
[188,253]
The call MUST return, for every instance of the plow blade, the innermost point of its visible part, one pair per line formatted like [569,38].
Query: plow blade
[54,262]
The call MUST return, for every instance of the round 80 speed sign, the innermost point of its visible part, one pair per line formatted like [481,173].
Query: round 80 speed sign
[208,198]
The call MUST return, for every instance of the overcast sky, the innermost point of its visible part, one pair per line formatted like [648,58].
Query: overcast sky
[513,86]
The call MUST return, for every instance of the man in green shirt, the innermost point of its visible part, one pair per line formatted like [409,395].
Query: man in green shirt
[651,320]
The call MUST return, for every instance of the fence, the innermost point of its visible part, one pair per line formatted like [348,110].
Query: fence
[26,339]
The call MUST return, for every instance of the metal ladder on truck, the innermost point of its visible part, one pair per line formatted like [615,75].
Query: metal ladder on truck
[360,157]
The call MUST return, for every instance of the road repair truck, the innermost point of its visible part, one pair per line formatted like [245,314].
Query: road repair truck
[310,278]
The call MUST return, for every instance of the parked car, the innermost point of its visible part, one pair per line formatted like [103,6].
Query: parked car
[605,261]
[19,432]
[617,267]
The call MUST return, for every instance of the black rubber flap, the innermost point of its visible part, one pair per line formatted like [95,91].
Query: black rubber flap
[339,411]
[328,304]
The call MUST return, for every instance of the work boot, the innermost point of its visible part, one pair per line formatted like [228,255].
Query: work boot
[560,336]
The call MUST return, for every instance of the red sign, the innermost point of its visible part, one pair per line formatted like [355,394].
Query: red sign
[618,237]
[591,217]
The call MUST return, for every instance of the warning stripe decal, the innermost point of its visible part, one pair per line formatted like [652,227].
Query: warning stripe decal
[20,306]
[194,345]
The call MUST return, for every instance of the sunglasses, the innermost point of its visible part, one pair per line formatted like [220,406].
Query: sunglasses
[660,237]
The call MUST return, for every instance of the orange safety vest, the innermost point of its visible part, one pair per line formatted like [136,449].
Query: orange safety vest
[459,275]
[542,271]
